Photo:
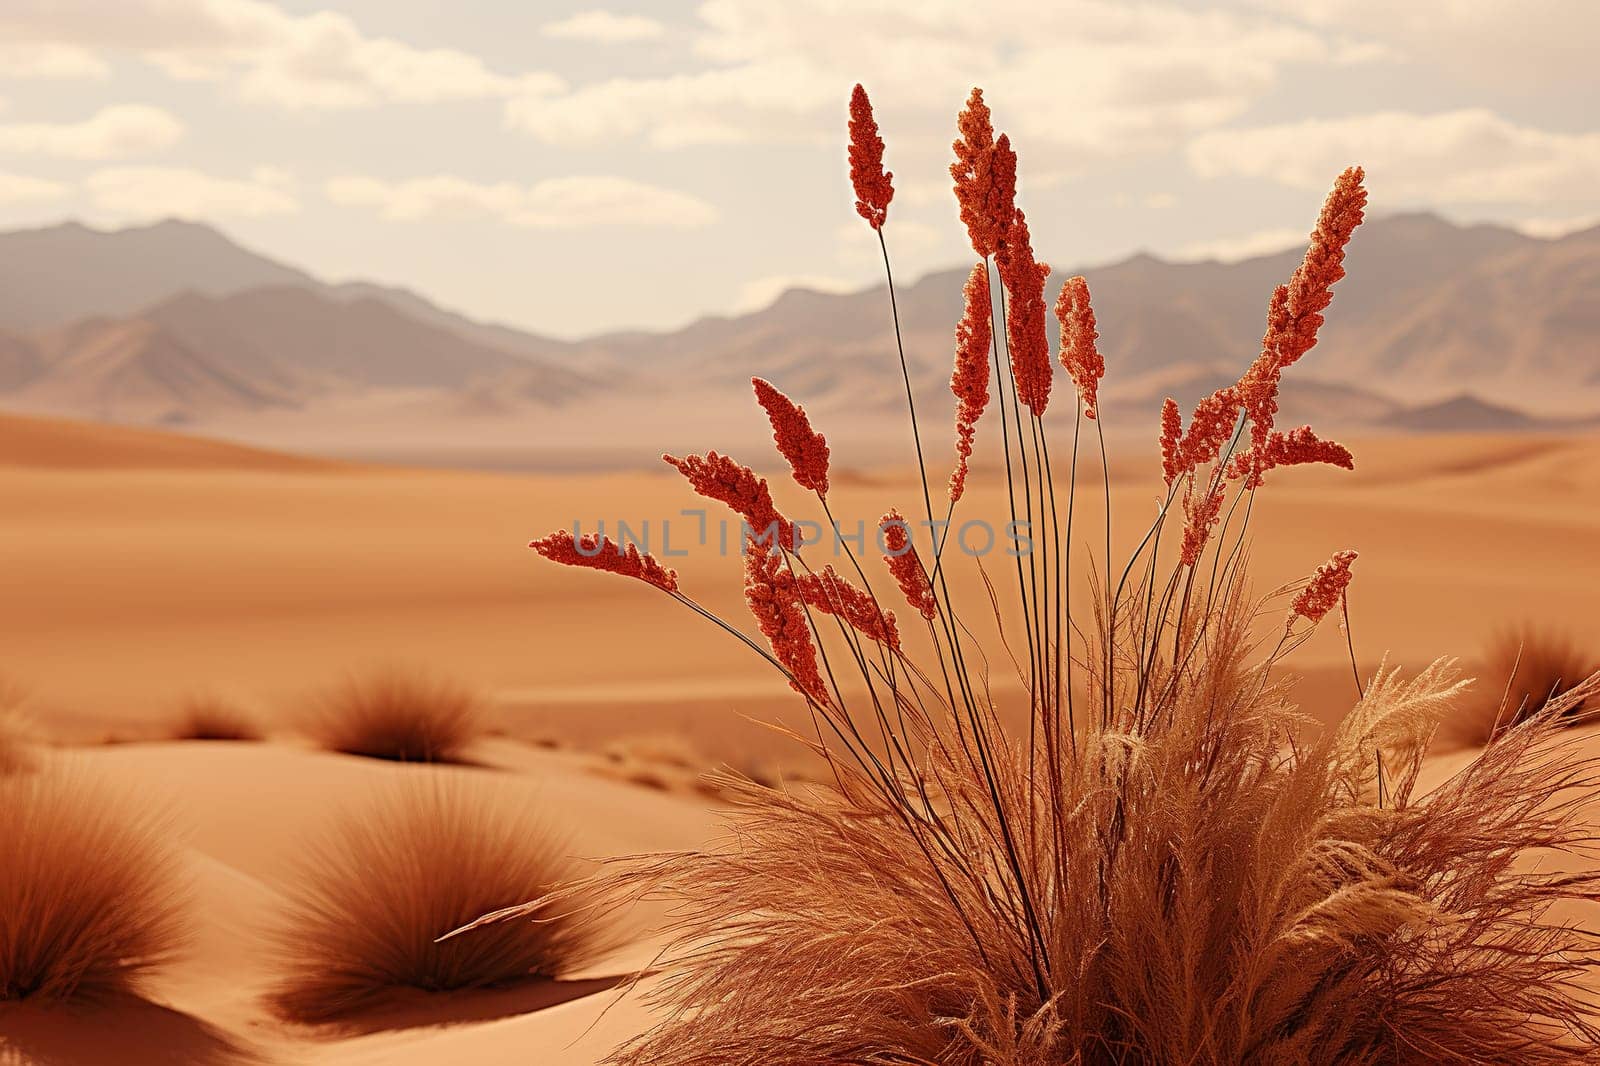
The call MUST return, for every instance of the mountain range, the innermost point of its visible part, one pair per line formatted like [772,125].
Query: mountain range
[1437,327]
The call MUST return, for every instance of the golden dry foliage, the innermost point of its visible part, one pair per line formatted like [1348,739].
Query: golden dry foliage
[1525,669]
[90,896]
[208,716]
[399,715]
[384,882]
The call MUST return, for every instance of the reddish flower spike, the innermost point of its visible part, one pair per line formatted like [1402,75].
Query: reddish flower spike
[804,448]
[1079,354]
[1295,448]
[904,565]
[826,591]
[719,478]
[985,173]
[1024,280]
[1172,465]
[769,590]
[1201,516]
[970,379]
[1325,589]
[874,186]
[602,553]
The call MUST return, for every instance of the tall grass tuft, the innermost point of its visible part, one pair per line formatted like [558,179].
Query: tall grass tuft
[90,900]
[1525,669]
[384,882]
[1143,859]
[398,715]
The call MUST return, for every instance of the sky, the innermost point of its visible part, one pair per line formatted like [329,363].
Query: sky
[572,169]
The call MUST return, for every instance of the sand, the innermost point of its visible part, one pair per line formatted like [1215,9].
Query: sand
[139,568]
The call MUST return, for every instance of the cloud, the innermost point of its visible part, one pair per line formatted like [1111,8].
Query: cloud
[576,202]
[19,189]
[111,133]
[1469,156]
[317,60]
[604,27]
[142,193]
[1555,228]
[50,62]
[1093,75]
[1235,249]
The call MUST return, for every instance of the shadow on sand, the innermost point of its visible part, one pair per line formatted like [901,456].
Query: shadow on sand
[129,1031]
[410,1009]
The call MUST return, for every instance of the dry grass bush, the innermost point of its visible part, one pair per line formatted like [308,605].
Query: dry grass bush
[384,882]
[406,717]
[90,897]
[1525,669]
[1161,867]
[210,717]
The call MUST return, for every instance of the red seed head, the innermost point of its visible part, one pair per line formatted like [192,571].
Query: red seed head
[1172,463]
[1213,423]
[770,592]
[826,591]
[874,186]
[904,565]
[602,553]
[719,478]
[1024,280]
[970,379]
[1078,335]
[1295,448]
[1201,513]
[1325,589]
[804,448]
[985,173]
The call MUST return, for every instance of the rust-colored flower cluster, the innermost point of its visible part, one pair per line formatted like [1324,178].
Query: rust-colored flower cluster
[826,591]
[905,566]
[1200,516]
[970,380]
[804,448]
[1326,588]
[1295,448]
[774,600]
[1079,354]
[1024,280]
[985,173]
[874,186]
[603,553]
[717,477]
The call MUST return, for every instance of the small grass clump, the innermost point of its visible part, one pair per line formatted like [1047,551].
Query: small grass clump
[90,901]
[380,888]
[405,717]
[1525,670]
[211,717]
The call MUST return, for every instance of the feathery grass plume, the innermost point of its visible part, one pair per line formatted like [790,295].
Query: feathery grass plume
[1024,280]
[985,173]
[1525,669]
[719,478]
[1326,587]
[400,715]
[603,553]
[774,600]
[804,448]
[905,566]
[91,901]
[207,716]
[874,186]
[826,591]
[1295,448]
[1079,355]
[1158,864]
[970,379]
[385,881]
